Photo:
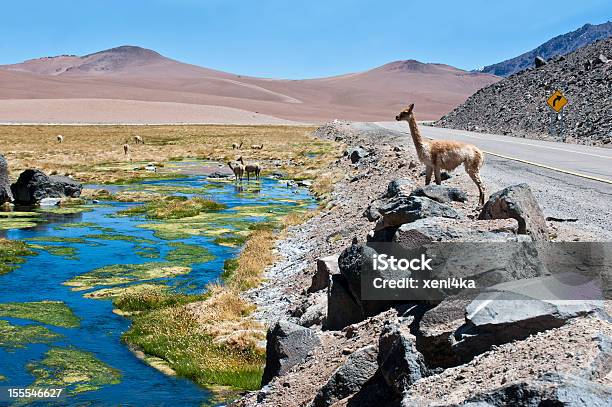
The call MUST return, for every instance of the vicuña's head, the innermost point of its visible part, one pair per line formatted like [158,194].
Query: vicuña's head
[405,114]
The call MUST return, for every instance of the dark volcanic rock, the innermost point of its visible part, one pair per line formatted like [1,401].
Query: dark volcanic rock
[34,185]
[401,210]
[400,362]
[540,62]
[441,193]
[326,267]
[517,202]
[399,187]
[550,389]
[5,186]
[287,345]
[348,378]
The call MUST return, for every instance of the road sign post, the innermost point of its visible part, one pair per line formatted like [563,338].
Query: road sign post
[557,101]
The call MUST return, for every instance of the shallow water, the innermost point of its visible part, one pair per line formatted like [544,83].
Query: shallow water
[41,277]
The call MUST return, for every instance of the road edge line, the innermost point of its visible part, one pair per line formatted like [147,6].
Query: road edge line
[577,174]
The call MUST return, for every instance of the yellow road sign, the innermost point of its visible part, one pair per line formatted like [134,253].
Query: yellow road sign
[557,101]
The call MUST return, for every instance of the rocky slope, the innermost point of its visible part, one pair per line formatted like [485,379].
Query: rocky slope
[329,347]
[517,105]
[560,45]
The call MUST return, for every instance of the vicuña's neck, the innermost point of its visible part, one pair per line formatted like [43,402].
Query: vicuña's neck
[415,133]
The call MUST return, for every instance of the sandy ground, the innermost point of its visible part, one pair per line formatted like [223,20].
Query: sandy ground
[107,111]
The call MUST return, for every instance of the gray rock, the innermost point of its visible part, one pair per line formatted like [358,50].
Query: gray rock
[436,229]
[517,202]
[326,267]
[551,389]
[344,303]
[401,364]
[348,378]
[372,212]
[399,187]
[5,185]
[441,193]
[401,210]
[34,185]
[343,309]
[355,154]
[218,174]
[539,62]
[512,311]
[287,345]
[314,314]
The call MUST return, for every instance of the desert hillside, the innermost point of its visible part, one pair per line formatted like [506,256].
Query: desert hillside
[138,74]
[517,105]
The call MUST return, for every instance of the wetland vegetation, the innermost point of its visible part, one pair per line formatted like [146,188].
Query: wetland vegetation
[195,244]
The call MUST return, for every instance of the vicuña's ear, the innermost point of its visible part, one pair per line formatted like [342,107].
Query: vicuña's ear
[410,107]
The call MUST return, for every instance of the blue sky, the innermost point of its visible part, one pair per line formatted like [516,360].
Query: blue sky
[294,39]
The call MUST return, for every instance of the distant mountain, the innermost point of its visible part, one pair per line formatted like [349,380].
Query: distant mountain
[138,74]
[560,45]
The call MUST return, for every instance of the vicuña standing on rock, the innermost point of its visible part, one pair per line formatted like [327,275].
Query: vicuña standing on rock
[238,170]
[249,168]
[445,154]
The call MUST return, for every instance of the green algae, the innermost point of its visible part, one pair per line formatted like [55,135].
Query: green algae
[68,253]
[147,252]
[230,239]
[118,236]
[73,369]
[12,253]
[17,336]
[82,225]
[119,291]
[173,207]
[183,253]
[151,298]
[118,274]
[56,239]
[47,312]
[19,220]
[67,210]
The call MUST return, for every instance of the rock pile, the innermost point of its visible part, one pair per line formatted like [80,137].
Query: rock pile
[517,106]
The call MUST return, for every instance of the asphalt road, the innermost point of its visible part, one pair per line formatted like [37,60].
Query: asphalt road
[575,159]
[547,167]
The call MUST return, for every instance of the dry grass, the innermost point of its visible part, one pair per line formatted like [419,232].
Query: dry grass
[94,154]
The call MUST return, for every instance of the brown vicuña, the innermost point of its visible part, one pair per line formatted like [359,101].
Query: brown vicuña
[444,154]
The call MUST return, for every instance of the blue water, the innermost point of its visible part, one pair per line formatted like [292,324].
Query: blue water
[41,278]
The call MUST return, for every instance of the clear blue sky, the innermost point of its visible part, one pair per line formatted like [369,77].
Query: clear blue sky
[292,38]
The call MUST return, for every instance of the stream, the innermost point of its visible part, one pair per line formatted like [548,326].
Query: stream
[43,276]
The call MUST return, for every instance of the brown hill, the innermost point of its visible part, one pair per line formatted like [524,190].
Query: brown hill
[134,73]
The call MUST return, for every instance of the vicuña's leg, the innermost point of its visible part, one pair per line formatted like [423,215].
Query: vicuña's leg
[481,190]
[437,174]
[428,171]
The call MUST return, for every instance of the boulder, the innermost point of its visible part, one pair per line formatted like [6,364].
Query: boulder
[34,185]
[287,345]
[441,193]
[372,213]
[400,363]
[550,389]
[516,309]
[349,377]
[517,202]
[315,314]
[438,229]
[343,309]
[5,185]
[326,267]
[344,303]
[399,187]
[401,210]
[540,62]
[355,154]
